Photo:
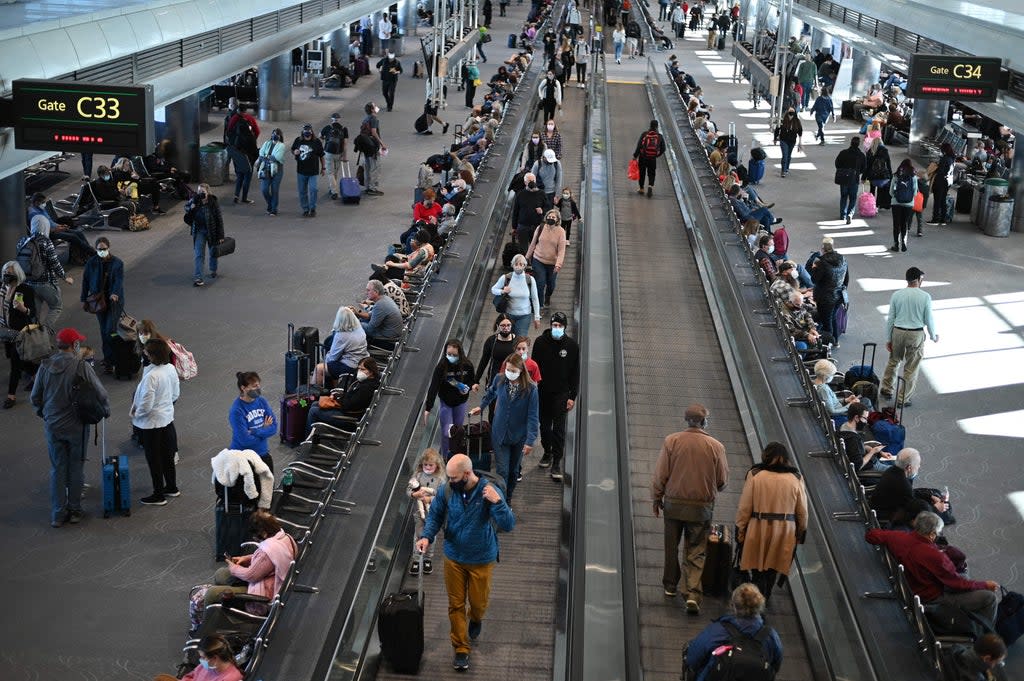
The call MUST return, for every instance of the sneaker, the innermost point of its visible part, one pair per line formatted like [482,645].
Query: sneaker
[305,213]
[671,593]
[461,662]
[933,222]
[213,275]
[640,191]
[444,129]
[894,248]
[519,476]
[172,492]
[847,219]
[312,213]
[692,607]
[153,500]
[198,282]
[159,211]
[428,132]
[556,471]
[428,567]
[177,458]
[545,460]
[75,517]
[474,630]
[414,568]
[885,393]
[59,522]
[920,233]
[248,201]
[905,403]
[650,191]
[904,247]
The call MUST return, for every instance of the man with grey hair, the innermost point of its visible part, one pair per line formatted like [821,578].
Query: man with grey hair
[930,572]
[382,322]
[528,210]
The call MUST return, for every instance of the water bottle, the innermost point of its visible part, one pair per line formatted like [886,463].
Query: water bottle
[286,481]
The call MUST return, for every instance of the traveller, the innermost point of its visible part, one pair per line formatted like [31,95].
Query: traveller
[824,371]
[309,163]
[252,418]
[522,292]
[262,572]
[270,169]
[383,322]
[63,229]
[690,472]
[831,275]
[771,518]
[528,210]
[550,92]
[452,381]
[202,212]
[558,357]
[902,189]
[822,110]
[18,310]
[334,138]
[619,42]
[389,69]
[242,132]
[789,135]
[371,149]
[349,404]
[878,173]
[850,167]
[470,547]
[43,276]
[910,314]
[66,434]
[547,253]
[807,76]
[523,350]
[941,179]
[216,662]
[103,295]
[978,662]
[488,9]
[534,150]
[552,139]
[152,413]
[422,488]
[384,31]
[568,211]
[548,171]
[649,147]
[347,348]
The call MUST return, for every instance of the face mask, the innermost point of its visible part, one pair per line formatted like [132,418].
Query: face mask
[511,374]
[550,221]
[362,375]
[275,137]
[551,76]
[143,338]
[518,270]
[566,195]
[557,332]
[429,468]
[551,127]
[106,178]
[428,204]
[206,664]
[525,354]
[771,248]
[102,253]
[532,185]
[376,109]
[535,140]
[458,486]
[10,278]
[253,393]
[452,359]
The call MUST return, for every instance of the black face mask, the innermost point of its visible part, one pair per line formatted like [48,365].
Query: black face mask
[458,486]
[550,222]
[10,278]
[532,185]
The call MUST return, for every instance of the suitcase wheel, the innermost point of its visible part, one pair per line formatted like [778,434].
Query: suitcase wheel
[106,514]
[128,513]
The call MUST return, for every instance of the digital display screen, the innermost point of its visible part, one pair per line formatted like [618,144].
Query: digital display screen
[962,78]
[82,117]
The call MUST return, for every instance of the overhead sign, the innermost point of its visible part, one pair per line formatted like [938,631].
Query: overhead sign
[961,78]
[82,117]
[314,60]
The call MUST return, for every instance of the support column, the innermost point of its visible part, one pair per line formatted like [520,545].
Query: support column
[842,88]
[1017,184]
[12,212]
[183,131]
[820,41]
[276,87]
[864,73]
[339,45]
[408,20]
[927,119]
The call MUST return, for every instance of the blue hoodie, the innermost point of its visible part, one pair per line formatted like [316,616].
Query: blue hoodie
[470,524]
[698,652]
[247,425]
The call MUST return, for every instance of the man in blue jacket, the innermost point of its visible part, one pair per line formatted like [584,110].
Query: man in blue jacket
[471,510]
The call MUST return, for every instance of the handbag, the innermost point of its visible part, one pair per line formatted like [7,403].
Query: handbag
[328,402]
[633,172]
[127,327]
[918,202]
[225,247]
[845,175]
[1010,616]
[34,343]
[502,300]
[95,303]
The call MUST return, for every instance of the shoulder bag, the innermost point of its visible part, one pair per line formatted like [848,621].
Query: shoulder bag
[34,343]
[502,300]
[97,302]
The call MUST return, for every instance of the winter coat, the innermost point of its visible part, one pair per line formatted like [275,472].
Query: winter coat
[51,392]
[265,570]
[768,544]
[829,276]
[516,419]
[233,465]
[470,523]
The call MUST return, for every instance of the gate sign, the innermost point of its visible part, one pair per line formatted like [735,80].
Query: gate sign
[82,117]
[314,60]
[960,78]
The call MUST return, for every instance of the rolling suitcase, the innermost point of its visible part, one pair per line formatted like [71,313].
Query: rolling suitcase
[306,340]
[722,35]
[718,562]
[473,440]
[964,199]
[847,110]
[512,41]
[294,413]
[400,627]
[117,479]
[350,190]
[887,424]
[292,359]
[126,360]
[863,371]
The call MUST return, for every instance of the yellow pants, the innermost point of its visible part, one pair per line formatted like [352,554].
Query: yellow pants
[466,582]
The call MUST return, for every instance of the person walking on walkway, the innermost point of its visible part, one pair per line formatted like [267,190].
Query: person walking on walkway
[453,379]
[550,93]
[202,212]
[309,163]
[850,165]
[152,413]
[807,76]
[547,252]
[649,147]
[66,434]
[771,518]
[103,295]
[789,135]
[902,189]
[910,314]
[690,472]
[270,169]
[334,137]
[822,109]
[370,128]
[558,357]
[471,510]
[45,274]
[389,68]
[619,42]
[384,31]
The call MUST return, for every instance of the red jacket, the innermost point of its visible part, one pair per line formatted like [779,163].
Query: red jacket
[929,571]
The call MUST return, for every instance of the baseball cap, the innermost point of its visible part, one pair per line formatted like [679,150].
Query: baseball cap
[335,115]
[559,318]
[307,128]
[549,155]
[69,336]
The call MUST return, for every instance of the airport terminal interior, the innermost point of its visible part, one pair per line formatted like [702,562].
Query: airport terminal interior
[153,131]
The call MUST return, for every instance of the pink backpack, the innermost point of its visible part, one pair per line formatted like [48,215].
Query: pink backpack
[184,362]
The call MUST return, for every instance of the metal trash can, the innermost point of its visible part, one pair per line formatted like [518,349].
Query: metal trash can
[976,201]
[999,216]
[213,163]
[995,186]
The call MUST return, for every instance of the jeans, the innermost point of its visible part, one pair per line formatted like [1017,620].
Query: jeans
[544,275]
[618,50]
[508,457]
[51,295]
[908,349]
[821,128]
[787,155]
[901,217]
[199,246]
[243,173]
[826,317]
[552,424]
[939,190]
[158,443]
[307,192]
[521,324]
[449,416]
[67,461]
[108,322]
[848,198]
[805,99]
[465,582]
[371,170]
[480,51]
[74,237]
[696,534]
[87,164]
[271,188]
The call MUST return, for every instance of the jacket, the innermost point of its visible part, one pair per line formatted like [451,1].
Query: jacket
[265,570]
[768,544]
[200,673]
[240,476]
[554,87]
[348,347]
[638,152]
[691,468]
[869,161]
[829,276]
[11,318]
[559,362]
[852,158]
[549,175]
[930,572]
[213,219]
[807,72]
[523,298]
[822,108]
[548,245]
[525,205]
[698,652]
[893,491]
[92,278]
[470,524]
[249,427]
[494,354]
[158,390]
[516,419]
[358,396]
[445,374]
[54,270]
[51,393]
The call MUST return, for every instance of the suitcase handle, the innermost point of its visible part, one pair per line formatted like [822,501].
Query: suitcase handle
[864,355]
[291,334]
[419,580]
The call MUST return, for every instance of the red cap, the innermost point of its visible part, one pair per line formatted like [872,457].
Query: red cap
[69,336]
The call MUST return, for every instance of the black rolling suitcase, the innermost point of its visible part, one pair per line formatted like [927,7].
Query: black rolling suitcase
[293,357]
[717,562]
[847,111]
[400,627]
[127,361]
[473,440]
[964,199]
[863,371]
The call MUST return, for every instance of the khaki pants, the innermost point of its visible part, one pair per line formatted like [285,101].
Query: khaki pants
[696,536]
[466,582]
[333,163]
[908,348]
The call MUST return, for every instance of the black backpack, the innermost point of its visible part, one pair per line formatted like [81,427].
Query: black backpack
[903,188]
[879,169]
[746,658]
[241,135]
[30,257]
[365,143]
[86,399]
[332,140]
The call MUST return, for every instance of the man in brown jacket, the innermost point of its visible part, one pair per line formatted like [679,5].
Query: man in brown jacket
[691,470]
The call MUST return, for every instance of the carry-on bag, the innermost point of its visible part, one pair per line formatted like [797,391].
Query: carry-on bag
[866,206]
[1010,616]
[473,440]
[117,479]
[294,413]
[292,359]
[127,361]
[400,627]
[717,562]
[887,425]
[350,191]
[863,371]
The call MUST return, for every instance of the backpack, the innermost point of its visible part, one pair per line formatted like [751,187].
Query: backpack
[485,476]
[903,188]
[184,363]
[744,659]
[364,142]
[30,257]
[86,400]
[335,133]
[241,134]
[650,145]
[879,169]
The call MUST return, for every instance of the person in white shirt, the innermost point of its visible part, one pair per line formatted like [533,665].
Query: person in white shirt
[152,413]
[523,301]
[384,29]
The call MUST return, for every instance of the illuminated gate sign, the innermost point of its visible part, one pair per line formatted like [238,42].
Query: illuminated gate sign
[962,78]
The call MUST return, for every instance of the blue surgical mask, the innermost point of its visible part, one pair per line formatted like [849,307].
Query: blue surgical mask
[206,664]
[452,358]
[557,332]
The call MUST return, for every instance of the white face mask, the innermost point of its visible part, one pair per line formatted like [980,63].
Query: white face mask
[143,338]
[362,375]
[551,127]
[518,270]
[511,374]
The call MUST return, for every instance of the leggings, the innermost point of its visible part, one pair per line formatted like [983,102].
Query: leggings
[581,72]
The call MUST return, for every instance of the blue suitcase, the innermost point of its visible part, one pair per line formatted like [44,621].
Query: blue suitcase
[512,41]
[294,361]
[350,191]
[117,480]
[755,173]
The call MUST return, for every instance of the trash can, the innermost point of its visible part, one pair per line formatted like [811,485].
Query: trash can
[976,201]
[213,163]
[999,215]
[994,186]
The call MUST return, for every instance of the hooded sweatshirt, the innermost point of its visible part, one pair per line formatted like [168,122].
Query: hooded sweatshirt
[559,362]
[248,427]
[51,393]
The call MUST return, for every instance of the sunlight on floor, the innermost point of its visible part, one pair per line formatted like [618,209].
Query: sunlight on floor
[978,371]
[1017,499]
[720,70]
[1007,424]
[862,250]
[875,285]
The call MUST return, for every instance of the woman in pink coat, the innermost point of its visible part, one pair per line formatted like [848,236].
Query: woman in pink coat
[262,572]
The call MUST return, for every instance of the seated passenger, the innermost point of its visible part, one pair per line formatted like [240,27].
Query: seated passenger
[427,210]
[746,604]
[261,573]
[763,256]
[895,489]
[978,662]
[824,370]
[800,322]
[383,322]
[786,281]
[216,662]
[105,189]
[349,403]
[62,229]
[456,196]
[416,263]
[131,185]
[744,211]
[348,347]
[865,456]
[930,573]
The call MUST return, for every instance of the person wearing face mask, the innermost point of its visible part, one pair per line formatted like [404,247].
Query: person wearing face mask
[567,211]
[103,295]
[346,350]
[558,357]
[547,253]
[422,488]
[347,406]
[453,379]
[534,150]
[552,139]
[17,310]
[550,92]
[152,412]
[548,172]
[763,255]
[370,128]
[270,169]
[216,663]
[202,212]
[523,350]
[389,68]
[66,435]
[252,418]
[497,347]
[527,210]
[309,164]
[522,291]
[104,189]
[789,134]
[45,283]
